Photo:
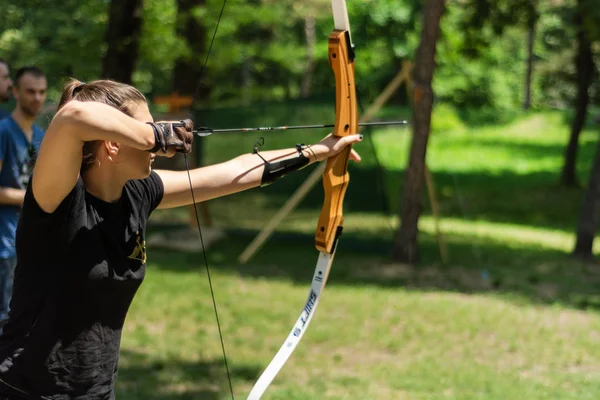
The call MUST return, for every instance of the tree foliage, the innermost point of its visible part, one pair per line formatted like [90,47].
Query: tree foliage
[261,49]
[65,38]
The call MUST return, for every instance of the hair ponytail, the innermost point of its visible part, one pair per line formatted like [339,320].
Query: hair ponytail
[68,92]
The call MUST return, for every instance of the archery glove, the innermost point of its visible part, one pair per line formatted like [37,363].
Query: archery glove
[172,135]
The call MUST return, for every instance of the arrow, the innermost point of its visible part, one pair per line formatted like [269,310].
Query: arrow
[208,131]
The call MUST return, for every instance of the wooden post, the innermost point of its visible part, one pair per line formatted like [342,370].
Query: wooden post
[174,101]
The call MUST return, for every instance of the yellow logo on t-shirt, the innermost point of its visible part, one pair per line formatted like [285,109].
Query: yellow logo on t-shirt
[139,252]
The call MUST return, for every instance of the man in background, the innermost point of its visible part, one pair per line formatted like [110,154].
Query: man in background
[5,86]
[20,141]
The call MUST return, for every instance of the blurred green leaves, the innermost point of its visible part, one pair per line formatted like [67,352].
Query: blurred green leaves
[262,49]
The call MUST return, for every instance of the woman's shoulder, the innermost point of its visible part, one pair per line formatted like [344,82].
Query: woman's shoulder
[147,192]
[76,195]
[152,182]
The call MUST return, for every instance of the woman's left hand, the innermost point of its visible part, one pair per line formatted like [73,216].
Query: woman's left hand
[332,145]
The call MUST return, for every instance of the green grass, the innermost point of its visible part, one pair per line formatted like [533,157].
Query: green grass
[511,316]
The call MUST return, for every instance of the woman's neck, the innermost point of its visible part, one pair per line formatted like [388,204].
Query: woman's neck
[103,184]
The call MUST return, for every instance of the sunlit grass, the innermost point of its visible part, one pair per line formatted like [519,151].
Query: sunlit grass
[365,342]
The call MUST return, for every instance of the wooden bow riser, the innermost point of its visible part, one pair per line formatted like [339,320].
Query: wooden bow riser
[336,177]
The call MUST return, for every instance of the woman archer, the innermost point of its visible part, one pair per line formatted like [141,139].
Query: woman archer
[79,261]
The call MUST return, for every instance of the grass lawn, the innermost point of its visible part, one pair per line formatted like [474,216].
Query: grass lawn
[510,316]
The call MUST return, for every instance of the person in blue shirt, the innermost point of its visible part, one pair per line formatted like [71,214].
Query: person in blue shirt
[5,86]
[20,141]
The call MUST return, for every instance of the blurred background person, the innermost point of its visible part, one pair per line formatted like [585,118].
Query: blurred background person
[20,140]
[5,86]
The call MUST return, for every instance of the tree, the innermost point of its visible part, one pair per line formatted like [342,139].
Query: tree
[186,74]
[188,70]
[532,18]
[590,213]
[406,246]
[584,66]
[122,39]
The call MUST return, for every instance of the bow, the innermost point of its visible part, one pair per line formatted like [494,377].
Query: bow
[335,182]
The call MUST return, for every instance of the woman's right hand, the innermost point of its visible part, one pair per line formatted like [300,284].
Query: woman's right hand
[172,137]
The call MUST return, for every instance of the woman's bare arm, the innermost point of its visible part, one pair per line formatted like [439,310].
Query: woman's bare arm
[59,160]
[241,173]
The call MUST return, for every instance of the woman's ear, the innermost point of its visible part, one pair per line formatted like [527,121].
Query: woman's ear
[112,149]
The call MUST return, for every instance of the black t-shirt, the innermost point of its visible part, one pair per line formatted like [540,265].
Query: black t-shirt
[77,272]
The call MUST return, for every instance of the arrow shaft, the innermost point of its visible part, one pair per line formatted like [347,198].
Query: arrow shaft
[208,131]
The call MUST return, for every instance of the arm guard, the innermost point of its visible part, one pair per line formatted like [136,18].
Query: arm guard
[278,169]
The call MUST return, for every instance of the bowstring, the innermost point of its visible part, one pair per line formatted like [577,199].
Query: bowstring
[187,167]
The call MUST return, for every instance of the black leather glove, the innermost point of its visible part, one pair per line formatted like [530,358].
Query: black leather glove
[173,135]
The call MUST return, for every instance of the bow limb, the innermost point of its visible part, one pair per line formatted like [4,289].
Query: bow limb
[335,183]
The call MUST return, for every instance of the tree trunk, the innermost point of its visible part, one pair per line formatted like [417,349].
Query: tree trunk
[405,246]
[188,76]
[590,213]
[122,39]
[187,70]
[531,24]
[310,35]
[584,64]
